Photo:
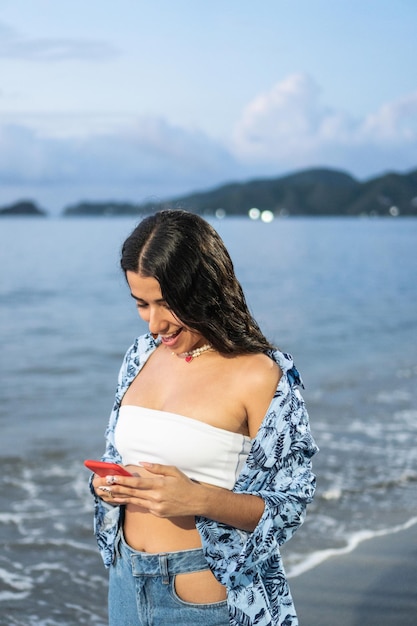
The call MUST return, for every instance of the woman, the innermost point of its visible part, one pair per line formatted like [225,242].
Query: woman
[209,420]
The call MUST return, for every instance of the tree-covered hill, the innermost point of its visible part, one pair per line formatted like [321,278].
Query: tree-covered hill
[313,192]
[24,208]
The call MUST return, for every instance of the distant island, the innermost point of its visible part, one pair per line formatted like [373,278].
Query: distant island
[24,208]
[311,192]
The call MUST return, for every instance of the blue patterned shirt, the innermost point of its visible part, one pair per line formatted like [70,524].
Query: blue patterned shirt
[278,469]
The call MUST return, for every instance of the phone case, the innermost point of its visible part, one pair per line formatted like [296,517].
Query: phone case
[101,468]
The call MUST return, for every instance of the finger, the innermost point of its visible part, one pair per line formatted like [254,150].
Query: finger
[157,468]
[127,481]
[105,491]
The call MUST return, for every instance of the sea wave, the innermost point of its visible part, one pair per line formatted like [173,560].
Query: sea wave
[299,564]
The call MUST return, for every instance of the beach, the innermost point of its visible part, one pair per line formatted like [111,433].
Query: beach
[374,585]
[339,295]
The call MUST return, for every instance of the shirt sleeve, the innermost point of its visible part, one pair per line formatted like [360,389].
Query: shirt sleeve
[107,516]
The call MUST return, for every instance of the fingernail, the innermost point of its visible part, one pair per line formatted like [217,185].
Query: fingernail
[110,480]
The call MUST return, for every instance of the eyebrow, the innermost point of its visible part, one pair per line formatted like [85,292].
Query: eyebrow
[159,301]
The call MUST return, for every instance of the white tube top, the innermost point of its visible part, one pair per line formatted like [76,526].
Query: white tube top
[203,452]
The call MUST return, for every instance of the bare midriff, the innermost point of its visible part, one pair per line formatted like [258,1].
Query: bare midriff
[147,533]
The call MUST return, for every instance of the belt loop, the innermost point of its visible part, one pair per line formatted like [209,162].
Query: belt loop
[163,564]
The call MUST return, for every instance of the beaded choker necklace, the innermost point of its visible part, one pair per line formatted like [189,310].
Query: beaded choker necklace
[193,354]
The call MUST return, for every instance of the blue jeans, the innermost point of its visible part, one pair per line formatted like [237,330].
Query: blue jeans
[142,590]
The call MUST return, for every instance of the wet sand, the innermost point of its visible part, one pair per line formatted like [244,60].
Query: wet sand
[374,585]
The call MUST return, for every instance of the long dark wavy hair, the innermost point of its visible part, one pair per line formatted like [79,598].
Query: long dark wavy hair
[196,276]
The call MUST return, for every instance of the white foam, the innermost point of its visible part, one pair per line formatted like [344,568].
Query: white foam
[353,541]
[10,595]
[332,494]
[66,543]
[20,583]
[393,397]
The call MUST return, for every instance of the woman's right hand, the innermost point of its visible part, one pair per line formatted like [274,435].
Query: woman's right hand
[102,488]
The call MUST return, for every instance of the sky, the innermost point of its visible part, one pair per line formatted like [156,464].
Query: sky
[136,100]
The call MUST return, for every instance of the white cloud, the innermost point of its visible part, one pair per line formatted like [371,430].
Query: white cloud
[73,157]
[394,122]
[149,147]
[15,46]
[147,157]
[289,127]
[274,121]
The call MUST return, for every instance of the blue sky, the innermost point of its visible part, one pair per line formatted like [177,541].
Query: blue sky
[132,100]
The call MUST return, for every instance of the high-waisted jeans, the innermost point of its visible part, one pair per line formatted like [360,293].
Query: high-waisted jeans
[142,590]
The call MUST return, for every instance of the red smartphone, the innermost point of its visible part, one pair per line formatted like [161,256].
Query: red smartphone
[101,468]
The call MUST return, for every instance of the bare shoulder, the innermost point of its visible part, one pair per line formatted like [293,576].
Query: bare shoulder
[260,376]
[259,370]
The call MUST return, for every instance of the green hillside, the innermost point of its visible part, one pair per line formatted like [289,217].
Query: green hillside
[24,208]
[312,192]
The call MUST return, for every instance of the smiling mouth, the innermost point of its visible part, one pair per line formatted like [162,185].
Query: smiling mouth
[169,339]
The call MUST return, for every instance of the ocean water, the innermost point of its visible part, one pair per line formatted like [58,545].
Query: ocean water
[339,294]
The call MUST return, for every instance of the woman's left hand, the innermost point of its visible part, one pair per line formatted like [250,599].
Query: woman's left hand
[164,492]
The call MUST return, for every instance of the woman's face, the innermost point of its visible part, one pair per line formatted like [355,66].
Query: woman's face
[161,320]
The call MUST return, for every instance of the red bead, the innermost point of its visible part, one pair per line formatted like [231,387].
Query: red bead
[188,358]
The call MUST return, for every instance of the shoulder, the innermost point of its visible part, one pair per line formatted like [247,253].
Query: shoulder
[260,375]
[260,370]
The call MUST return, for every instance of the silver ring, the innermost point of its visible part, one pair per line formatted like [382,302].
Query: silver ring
[107,490]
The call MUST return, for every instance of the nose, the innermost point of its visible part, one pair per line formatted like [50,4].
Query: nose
[157,322]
